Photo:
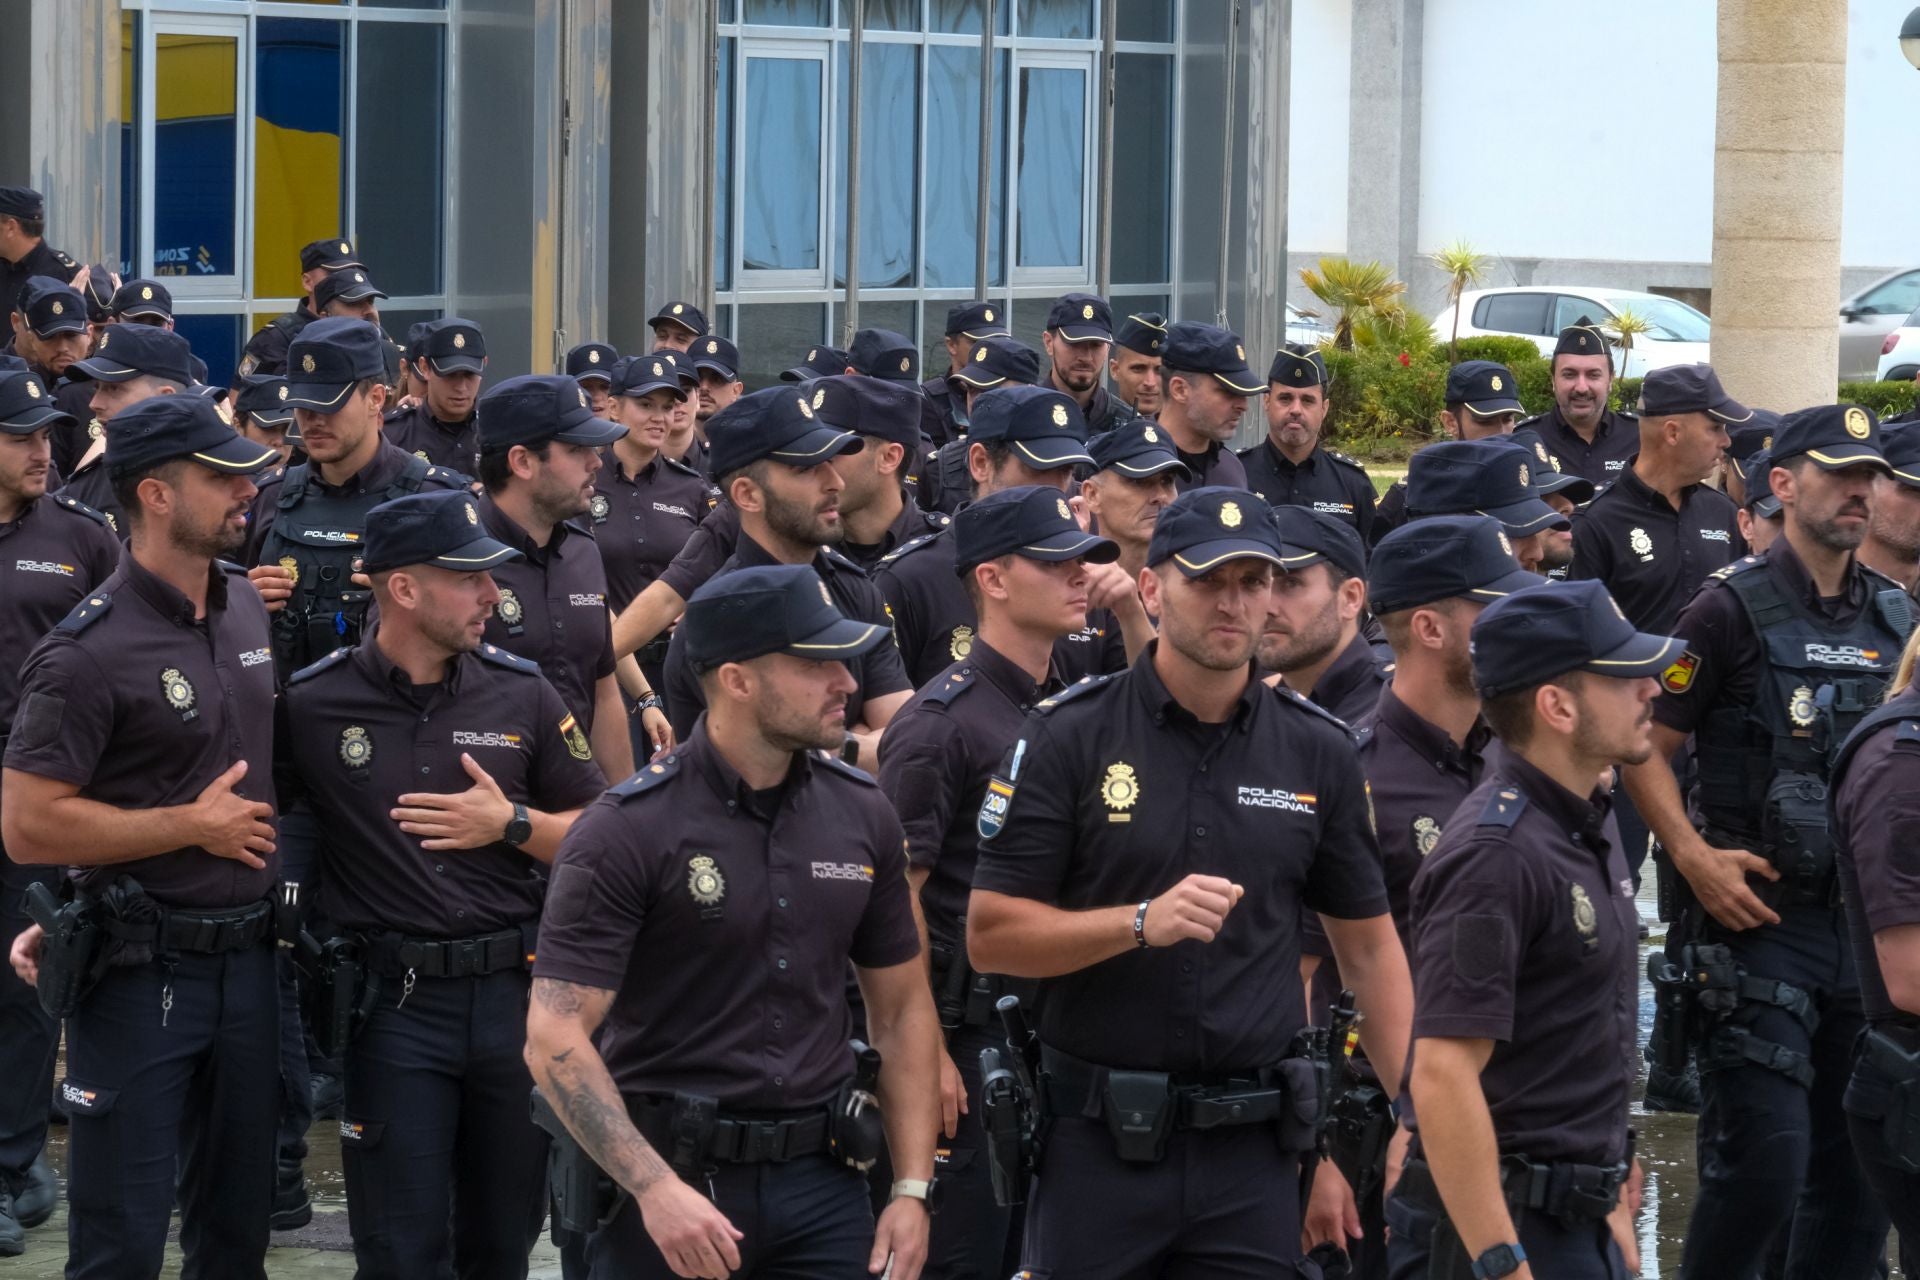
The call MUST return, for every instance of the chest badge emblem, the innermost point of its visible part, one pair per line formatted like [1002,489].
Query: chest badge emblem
[598,507]
[705,882]
[1640,544]
[1800,708]
[292,567]
[1426,834]
[1586,921]
[962,643]
[1120,790]
[178,691]
[509,609]
[356,747]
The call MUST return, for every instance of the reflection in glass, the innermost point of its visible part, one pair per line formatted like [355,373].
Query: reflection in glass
[1144,20]
[1142,167]
[296,147]
[889,160]
[884,15]
[399,161]
[781,200]
[216,340]
[196,115]
[129,247]
[897,315]
[963,16]
[777,335]
[1053,114]
[953,145]
[789,13]
[1060,19]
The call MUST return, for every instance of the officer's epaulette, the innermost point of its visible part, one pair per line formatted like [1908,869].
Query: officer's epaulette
[231,566]
[327,663]
[1084,685]
[1527,422]
[1626,413]
[1878,581]
[86,613]
[839,561]
[582,527]
[1738,566]
[648,777]
[447,476]
[273,477]
[1291,697]
[1504,808]
[1337,456]
[80,508]
[678,465]
[940,518]
[1362,734]
[828,760]
[905,549]
[65,261]
[501,658]
[956,683]
[1908,734]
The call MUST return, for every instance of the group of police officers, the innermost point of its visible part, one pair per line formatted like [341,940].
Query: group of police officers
[962,826]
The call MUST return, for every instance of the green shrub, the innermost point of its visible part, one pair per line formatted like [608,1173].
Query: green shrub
[1626,393]
[1511,352]
[1884,398]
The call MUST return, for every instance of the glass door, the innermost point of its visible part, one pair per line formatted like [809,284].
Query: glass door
[193,201]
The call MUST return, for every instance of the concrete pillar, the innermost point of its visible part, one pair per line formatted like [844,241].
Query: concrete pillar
[1383,133]
[1779,129]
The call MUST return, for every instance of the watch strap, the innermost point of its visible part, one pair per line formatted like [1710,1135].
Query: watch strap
[911,1188]
[1501,1260]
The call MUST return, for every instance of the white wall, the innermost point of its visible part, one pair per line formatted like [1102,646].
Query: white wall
[1881,188]
[1317,126]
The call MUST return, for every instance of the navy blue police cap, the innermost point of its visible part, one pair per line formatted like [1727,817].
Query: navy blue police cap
[887,411]
[51,307]
[1479,477]
[1748,438]
[678,363]
[976,320]
[684,314]
[636,376]
[328,255]
[328,357]
[1547,475]
[717,354]
[1314,537]
[22,202]
[882,353]
[99,292]
[1033,521]
[140,297]
[541,406]
[1298,366]
[1045,427]
[264,396]
[995,362]
[441,528]
[1081,317]
[26,405]
[1834,436]
[350,284]
[1583,338]
[821,362]
[129,351]
[780,608]
[1757,471]
[1545,631]
[1143,332]
[778,423]
[1901,444]
[166,428]
[1138,447]
[1443,558]
[1207,348]
[1689,388]
[1485,387]
[454,345]
[591,361]
[1205,528]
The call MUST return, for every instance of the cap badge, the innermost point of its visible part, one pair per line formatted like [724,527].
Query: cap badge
[283,391]
[1616,609]
[826,597]
[94,432]
[813,352]
[1230,515]
[358,278]
[345,247]
[598,507]
[1766,442]
[292,566]
[1066,512]
[1426,834]
[988,313]
[1119,791]
[593,357]
[509,609]
[1859,426]
[1540,451]
[1800,708]
[1583,341]
[581,392]
[961,643]
[657,370]
[1495,383]
[806,410]
[33,389]
[473,514]
[906,363]
[146,293]
[712,347]
[1639,543]
[356,748]
[1526,476]
[819,397]
[1150,435]
[1059,415]
[980,354]
[705,882]
[306,364]
[58,307]
[459,341]
[1086,312]
[1586,921]
[1504,544]
[1239,352]
[677,308]
[178,691]
[104,339]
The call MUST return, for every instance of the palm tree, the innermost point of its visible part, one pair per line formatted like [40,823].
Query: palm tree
[1625,325]
[1352,290]
[1463,268]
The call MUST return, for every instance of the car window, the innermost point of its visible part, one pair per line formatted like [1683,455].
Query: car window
[1897,297]
[1568,310]
[1672,320]
[1513,313]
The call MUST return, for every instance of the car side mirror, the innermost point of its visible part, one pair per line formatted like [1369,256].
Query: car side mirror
[1850,313]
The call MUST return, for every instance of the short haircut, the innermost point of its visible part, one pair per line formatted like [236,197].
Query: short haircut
[998,451]
[1398,625]
[972,584]
[494,470]
[755,471]
[1511,715]
[35,227]
[126,485]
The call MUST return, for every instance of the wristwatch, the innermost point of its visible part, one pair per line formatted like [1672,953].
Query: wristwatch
[927,1192]
[651,702]
[519,827]
[850,750]
[1501,1260]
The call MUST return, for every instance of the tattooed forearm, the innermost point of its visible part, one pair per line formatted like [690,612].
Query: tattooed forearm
[584,1097]
[558,997]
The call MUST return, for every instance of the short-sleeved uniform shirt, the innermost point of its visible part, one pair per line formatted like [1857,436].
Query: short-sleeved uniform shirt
[141,706]
[1525,933]
[1117,794]
[1651,557]
[91,486]
[724,920]
[934,621]
[878,671]
[641,521]
[1324,481]
[936,759]
[51,555]
[1877,844]
[553,608]
[455,445]
[704,552]
[1615,442]
[357,733]
[1216,464]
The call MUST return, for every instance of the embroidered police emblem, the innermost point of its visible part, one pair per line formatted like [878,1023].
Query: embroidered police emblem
[583,396]
[593,357]
[1060,505]
[360,279]
[906,363]
[459,341]
[177,689]
[1495,383]
[705,882]
[1641,544]
[1526,476]
[678,308]
[422,455]
[658,372]
[1086,311]
[283,391]
[826,597]
[1800,708]
[1119,791]
[107,337]
[988,313]
[1540,450]
[1150,435]
[819,397]
[356,747]
[980,354]
[1505,545]
[33,389]
[1230,515]
[806,410]
[1586,921]
[509,609]
[1239,351]
[993,808]
[712,346]
[306,364]
[1426,834]
[1859,426]
[146,293]
[292,567]
[473,514]
[57,307]
[813,352]
[598,508]
[345,248]
[577,745]
[1059,415]
[962,643]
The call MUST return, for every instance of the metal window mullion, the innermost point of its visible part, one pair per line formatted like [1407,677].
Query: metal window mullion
[982,269]
[856,48]
[350,134]
[149,136]
[1103,264]
[450,166]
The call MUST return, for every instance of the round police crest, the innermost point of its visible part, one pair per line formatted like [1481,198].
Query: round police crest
[988,313]
[95,430]
[678,308]
[306,364]
[598,507]
[980,355]
[806,410]
[1540,451]
[1150,435]
[1230,515]
[57,307]
[1121,787]
[509,609]
[1526,476]
[33,389]
[177,689]
[1586,921]
[146,293]
[1066,512]
[1801,709]
[473,514]
[1239,351]
[1086,311]
[826,596]
[1638,540]
[1426,834]
[593,357]
[712,346]
[705,882]
[1505,545]
[1495,383]
[906,363]
[356,747]
[819,397]
[962,643]
[283,391]
[1859,426]
[1059,415]
[292,567]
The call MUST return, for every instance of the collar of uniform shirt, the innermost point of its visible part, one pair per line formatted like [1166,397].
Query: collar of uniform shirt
[380,669]
[502,526]
[1010,678]
[1787,563]
[1280,459]
[1162,707]
[1581,816]
[748,554]
[1647,496]
[167,601]
[1428,738]
[727,782]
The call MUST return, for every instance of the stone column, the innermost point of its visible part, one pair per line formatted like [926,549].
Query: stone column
[1383,133]
[1778,133]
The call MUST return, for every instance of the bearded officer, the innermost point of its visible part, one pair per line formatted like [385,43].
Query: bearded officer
[1293,466]
[1586,437]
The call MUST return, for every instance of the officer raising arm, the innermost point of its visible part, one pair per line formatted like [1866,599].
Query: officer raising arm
[706,911]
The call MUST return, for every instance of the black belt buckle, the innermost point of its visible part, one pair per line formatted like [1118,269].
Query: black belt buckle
[463,958]
[1139,1108]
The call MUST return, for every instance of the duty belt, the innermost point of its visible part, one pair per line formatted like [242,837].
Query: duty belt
[393,955]
[1075,1087]
[742,1139]
[214,932]
[1570,1192]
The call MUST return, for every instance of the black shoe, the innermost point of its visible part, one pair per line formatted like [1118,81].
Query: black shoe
[13,1240]
[33,1204]
[292,1206]
[329,1094]
[1676,1093]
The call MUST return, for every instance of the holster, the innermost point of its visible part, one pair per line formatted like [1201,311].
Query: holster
[73,953]
[581,1194]
[857,1134]
[1358,1133]
[1797,840]
[341,994]
[691,1120]
[1007,1119]
[1892,1055]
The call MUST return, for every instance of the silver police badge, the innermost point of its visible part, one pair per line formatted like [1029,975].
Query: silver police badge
[1801,709]
[1426,834]
[961,644]
[705,882]
[1586,921]
[598,508]
[356,747]
[509,609]
[177,689]
[1639,543]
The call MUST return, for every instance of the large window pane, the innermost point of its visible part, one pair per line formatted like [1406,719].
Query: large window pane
[297,126]
[128,249]
[953,135]
[777,335]
[1142,168]
[1029,323]
[889,165]
[216,340]
[781,196]
[398,159]
[1053,121]
[723,166]
[789,13]
[1059,19]
[196,110]
[1144,20]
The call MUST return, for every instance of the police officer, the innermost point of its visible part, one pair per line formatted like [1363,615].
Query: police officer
[1565,492]
[142,301]
[539,456]
[142,755]
[55,551]
[1484,477]
[1026,564]
[677,324]
[1760,517]
[261,412]
[1874,789]
[882,353]
[1292,466]
[1586,437]
[1078,336]
[348,292]
[968,325]
[1892,544]
[1203,369]
[1778,1001]
[1482,400]
[24,252]
[49,333]
[1423,747]
[1312,635]
[1743,441]
[266,351]
[686,436]
[1149,845]
[1020,436]
[994,362]
[877,506]
[716,368]
[133,363]
[700,919]
[591,365]
[1133,366]
[446,770]
[1525,942]
[775,456]
[443,426]
[1656,532]
[821,362]
[1136,475]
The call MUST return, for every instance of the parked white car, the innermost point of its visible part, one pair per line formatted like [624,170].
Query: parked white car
[1870,321]
[1900,352]
[1303,329]
[1539,312]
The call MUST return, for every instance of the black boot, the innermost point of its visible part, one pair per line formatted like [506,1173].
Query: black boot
[292,1207]
[1678,1093]
[34,1202]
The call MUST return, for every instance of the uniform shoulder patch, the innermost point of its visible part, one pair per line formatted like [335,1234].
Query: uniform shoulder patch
[501,658]
[940,518]
[582,527]
[1907,735]
[839,561]
[1738,566]
[905,549]
[1079,689]
[649,776]
[82,509]
[836,765]
[86,613]
[447,476]
[1503,808]
[952,687]
[64,260]
[1337,456]
[675,464]
[1292,698]
[327,663]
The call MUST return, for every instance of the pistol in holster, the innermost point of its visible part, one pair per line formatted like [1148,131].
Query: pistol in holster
[582,1196]
[1010,1099]
[74,952]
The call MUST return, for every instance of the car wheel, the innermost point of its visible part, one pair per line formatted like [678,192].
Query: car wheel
[1901,373]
